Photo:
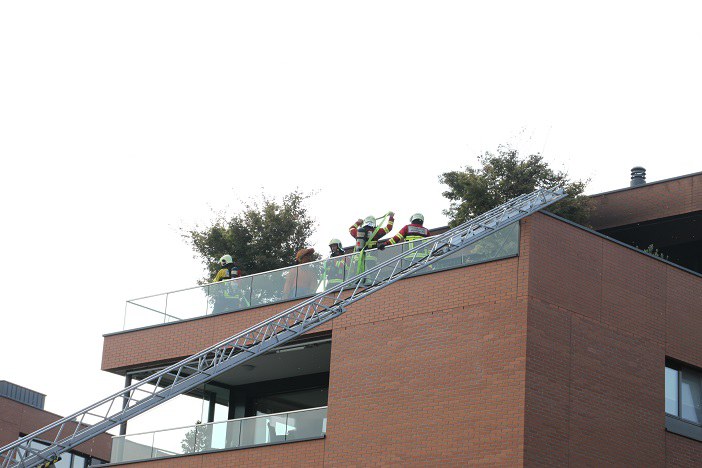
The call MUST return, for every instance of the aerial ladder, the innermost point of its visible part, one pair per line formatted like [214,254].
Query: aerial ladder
[69,432]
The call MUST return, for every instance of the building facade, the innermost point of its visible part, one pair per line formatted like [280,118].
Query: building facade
[22,412]
[553,344]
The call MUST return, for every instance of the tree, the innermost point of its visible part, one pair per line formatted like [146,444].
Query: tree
[505,175]
[196,439]
[264,236]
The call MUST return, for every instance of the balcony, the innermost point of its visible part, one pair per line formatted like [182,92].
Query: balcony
[254,431]
[296,282]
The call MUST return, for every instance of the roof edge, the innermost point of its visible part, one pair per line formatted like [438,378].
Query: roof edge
[646,184]
[630,247]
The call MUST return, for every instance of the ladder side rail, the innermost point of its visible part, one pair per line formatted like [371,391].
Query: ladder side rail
[466,233]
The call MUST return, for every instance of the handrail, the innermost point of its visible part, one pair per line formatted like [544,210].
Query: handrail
[254,289]
[221,422]
[244,277]
[208,437]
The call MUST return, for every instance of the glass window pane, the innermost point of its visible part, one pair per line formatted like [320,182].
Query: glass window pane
[262,430]
[65,461]
[671,391]
[188,303]
[274,286]
[691,396]
[78,461]
[309,278]
[333,271]
[228,296]
[306,424]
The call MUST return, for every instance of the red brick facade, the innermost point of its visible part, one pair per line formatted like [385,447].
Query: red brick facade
[17,418]
[602,318]
[647,202]
[299,454]
[554,357]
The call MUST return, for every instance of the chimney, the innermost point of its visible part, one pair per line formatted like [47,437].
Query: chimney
[638,176]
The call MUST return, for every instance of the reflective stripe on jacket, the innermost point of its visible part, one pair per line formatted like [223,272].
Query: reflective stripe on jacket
[359,234]
[410,232]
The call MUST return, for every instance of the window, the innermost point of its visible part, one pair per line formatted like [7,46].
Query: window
[671,391]
[683,399]
[691,395]
[68,459]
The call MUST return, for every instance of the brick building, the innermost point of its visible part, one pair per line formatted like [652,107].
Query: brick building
[22,412]
[549,344]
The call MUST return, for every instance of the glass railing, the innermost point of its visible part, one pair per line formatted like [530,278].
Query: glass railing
[234,433]
[300,281]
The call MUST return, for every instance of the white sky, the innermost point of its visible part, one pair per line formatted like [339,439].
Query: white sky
[122,121]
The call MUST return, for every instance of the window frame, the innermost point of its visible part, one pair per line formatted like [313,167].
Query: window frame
[676,423]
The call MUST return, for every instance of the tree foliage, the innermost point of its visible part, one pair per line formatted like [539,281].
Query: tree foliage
[196,439]
[264,236]
[504,175]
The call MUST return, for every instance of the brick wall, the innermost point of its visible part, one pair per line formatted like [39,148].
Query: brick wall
[17,418]
[429,369]
[431,378]
[182,339]
[648,202]
[601,319]
[554,357]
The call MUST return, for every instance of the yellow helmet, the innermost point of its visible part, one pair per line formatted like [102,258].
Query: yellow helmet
[335,242]
[369,221]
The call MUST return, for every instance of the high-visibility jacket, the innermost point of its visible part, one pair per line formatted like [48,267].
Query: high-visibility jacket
[231,291]
[334,270]
[229,271]
[362,236]
[410,232]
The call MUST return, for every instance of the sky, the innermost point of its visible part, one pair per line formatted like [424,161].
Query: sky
[122,123]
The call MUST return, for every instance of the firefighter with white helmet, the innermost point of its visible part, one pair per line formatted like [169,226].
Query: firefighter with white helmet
[411,233]
[229,269]
[228,297]
[366,234]
[336,248]
[334,268]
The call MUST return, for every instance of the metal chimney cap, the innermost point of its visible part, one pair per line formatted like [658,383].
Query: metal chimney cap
[638,176]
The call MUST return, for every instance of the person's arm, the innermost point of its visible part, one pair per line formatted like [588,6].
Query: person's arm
[388,228]
[353,230]
[399,237]
[220,275]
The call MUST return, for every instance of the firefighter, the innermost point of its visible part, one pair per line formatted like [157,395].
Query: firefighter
[229,269]
[367,235]
[410,233]
[334,269]
[229,296]
[336,248]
